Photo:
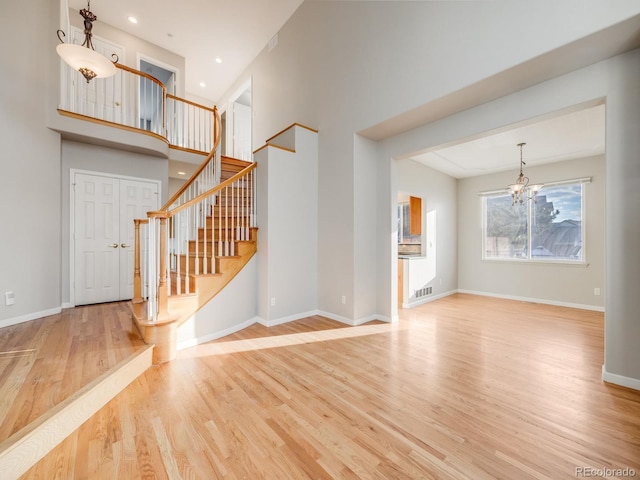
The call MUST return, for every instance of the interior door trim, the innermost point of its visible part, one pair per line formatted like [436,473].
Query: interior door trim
[72,220]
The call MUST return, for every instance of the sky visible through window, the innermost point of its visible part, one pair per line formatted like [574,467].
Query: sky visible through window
[566,199]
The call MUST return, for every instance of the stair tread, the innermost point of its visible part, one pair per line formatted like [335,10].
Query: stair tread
[185,295]
[235,161]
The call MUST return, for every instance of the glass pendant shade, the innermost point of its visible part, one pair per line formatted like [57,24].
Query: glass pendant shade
[86,60]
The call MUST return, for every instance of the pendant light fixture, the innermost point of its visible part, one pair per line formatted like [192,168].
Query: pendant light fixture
[521,191]
[83,57]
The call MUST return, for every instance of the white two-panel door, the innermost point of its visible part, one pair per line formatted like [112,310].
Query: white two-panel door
[104,210]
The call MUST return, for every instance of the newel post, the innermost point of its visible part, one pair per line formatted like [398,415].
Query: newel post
[137,279]
[163,291]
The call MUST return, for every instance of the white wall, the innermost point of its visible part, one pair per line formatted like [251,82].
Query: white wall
[288,229]
[175,184]
[29,163]
[233,309]
[551,283]
[365,236]
[622,303]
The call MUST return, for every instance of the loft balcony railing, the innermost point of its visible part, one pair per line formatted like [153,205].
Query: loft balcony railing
[135,100]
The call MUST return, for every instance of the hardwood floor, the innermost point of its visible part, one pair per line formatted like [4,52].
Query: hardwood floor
[465,387]
[45,361]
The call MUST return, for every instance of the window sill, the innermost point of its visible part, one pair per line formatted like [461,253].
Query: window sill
[558,263]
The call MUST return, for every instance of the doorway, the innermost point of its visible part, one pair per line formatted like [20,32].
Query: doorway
[150,98]
[102,233]
[238,124]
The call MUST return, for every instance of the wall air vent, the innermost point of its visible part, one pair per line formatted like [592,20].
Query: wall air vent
[421,292]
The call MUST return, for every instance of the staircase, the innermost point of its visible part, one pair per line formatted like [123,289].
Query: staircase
[195,245]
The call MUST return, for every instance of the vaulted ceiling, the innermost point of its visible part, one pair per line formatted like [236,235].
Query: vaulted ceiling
[200,31]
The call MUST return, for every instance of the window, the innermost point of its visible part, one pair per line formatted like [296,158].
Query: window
[550,229]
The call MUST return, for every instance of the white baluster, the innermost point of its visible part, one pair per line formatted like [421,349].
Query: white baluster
[153,271]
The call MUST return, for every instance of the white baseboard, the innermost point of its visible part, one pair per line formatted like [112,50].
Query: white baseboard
[287,319]
[581,306]
[430,298]
[30,316]
[337,318]
[192,342]
[620,379]
[352,322]
[384,318]
[279,321]
[331,316]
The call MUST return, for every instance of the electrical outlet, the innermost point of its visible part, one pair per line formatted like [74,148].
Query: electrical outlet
[344,300]
[273,301]
[596,291]
[9,298]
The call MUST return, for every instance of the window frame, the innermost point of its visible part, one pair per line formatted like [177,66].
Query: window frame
[529,260]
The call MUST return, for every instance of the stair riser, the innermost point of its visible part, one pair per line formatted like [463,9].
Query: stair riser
[234,248]
[226,174]
[217,234]
[183,282]
[221,201]
[200,261]
[231,211]
[226,222]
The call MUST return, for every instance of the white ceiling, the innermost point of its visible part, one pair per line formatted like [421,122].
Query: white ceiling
[572,135]
[200,30]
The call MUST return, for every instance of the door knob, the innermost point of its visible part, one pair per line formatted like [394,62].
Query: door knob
[114,245]
[124,245]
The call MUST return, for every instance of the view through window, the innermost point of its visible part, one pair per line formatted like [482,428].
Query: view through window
[550,229]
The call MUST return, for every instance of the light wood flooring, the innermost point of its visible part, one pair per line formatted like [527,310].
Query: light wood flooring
[45,361]
[465,387]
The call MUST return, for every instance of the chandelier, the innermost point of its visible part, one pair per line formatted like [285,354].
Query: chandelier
[83,57]
[521,191]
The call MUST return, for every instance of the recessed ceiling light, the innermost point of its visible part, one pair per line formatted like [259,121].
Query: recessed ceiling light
[182,173]
[202,84]
[218,60]
[132,19]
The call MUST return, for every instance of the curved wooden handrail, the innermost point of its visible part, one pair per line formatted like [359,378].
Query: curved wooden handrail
[189,102]
[142,74]
[210,192]
[217,134]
